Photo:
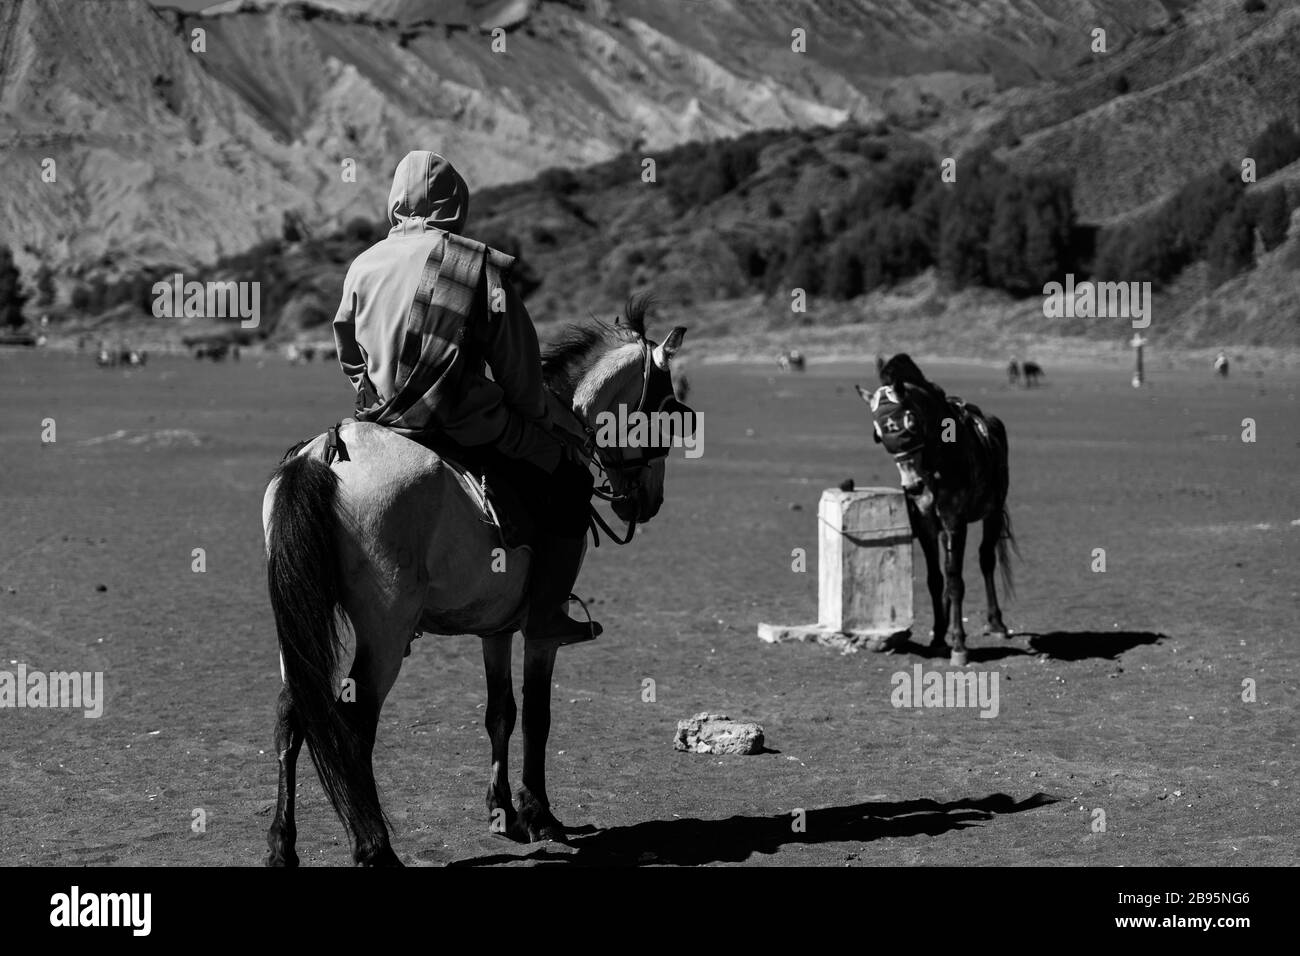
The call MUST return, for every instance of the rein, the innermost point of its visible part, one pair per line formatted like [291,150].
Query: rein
[587,448]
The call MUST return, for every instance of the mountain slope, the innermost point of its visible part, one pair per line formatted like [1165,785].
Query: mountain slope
[171,156]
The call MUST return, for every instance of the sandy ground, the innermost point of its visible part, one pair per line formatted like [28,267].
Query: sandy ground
[1120,691]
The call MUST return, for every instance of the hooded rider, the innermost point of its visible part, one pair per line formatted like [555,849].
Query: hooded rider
[440,348]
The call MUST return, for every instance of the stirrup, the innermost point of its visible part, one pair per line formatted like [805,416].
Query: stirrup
[591,625]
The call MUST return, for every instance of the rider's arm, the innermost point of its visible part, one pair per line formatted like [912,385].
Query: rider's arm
[351,358]
[509,410]
[511,350]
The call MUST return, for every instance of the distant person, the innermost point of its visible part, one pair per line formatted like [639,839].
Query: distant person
[1013,371]
[1221,365]
[426,313]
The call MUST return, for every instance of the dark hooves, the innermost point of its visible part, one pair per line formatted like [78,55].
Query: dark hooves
[549,829]
[276,859]
[537,821]
[385,857]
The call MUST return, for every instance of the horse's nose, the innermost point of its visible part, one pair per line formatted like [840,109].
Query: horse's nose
[913,487]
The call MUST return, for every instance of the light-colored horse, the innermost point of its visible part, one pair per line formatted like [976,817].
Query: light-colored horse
[396,539]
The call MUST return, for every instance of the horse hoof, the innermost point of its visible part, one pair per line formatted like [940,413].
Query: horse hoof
[1001,632]
[277,859]
[385,857]
[502,818]
[958,659]
[548,833]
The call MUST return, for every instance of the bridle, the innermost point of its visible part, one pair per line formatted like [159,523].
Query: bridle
[900,430]
[627,465]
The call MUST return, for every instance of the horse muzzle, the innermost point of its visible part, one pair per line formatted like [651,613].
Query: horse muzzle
[910,476]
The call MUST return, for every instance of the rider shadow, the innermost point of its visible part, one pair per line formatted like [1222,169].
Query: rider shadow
[1089,645]
[692,842]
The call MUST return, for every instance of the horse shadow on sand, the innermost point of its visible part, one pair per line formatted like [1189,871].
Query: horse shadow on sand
[692,842]
[1056,645]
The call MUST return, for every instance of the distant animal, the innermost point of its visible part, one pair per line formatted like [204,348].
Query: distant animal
[1221,365]
[791,361]
[106,358]
[1013,371]
[1032,371]
[953,466]
[217,351]
[300,354]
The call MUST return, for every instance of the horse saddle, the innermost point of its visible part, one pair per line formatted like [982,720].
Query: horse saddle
[498,503]
[972,416]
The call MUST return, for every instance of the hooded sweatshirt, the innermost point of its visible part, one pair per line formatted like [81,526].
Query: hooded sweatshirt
[417,336]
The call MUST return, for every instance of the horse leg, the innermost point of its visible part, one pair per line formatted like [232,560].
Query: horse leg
[989,562]
[928,537]
[288,741]
[955,590]
[374,672]
[500,723]
[534,805]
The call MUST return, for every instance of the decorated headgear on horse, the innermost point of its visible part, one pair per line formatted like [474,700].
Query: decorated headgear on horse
[895,424]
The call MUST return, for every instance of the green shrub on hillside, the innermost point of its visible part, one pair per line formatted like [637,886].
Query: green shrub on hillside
[44,285]
[12,295]
[844,269]
[362,231]
[1231,246]
[1277,146]
[1272,216]
[1179,232]
[698,174]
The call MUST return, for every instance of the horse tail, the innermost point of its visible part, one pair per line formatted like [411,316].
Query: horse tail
[303,579]
[1007,539]
[1006,545]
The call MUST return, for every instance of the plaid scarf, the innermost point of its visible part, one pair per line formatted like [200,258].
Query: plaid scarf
[433,353]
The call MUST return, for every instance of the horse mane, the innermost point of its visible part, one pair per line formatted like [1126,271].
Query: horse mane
[901,370]
[568,359]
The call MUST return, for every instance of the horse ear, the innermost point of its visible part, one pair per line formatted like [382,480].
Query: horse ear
[864,394]
[668,348]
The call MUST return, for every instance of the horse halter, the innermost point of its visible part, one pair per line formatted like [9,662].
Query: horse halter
[629,466]
[896,424]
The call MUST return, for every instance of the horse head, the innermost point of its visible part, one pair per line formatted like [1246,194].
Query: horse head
[619,385]
[907,418]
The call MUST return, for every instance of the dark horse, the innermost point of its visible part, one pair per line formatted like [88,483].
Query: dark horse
[952,460]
